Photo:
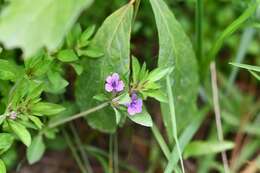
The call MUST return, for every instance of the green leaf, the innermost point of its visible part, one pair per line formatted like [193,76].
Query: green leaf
[176,52]
[91,52]
[7,70]
[2,167]
[100,97]
[36,121]
[118,115]
[136,69]
[157,74]
[158,95]
[234,26]
[255,74]
[44,108]
[6,141]
[41,23]
[246,66]
[21,132]
[67,55]
[73,35]
[124,98]
[113,38]
[2,118]
[142,118]
[86,35]
[78,68]
[57,83]
[198,148]
[36,150]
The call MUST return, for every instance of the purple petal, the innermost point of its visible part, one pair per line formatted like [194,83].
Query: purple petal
[133,97]
[109,79]
[138,106]
[108,87]
[115,76]
[120,86]
[131,110]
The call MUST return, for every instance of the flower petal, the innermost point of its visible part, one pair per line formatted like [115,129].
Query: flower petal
[131,110]
[109,79]
[108,87]
[115,76]
[120,86]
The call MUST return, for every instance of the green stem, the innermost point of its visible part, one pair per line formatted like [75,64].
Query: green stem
[199,43]
[74,152]
[81,149]
[79,115]
[173,118]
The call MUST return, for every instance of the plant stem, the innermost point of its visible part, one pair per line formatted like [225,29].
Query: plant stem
[74,152]
[199,43]
[173,118]
[80,147]
[79,115]
[217,112]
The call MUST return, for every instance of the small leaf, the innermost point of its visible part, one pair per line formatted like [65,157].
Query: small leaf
[118,115]
[2,167]
[91,52]
[36,121]
[198,148]
[67,55]
[78,68]
[136,69]
[36,150]
[21,132]
[45,108]
[124,98]
[73,35]
[157,74]
[2,118]
[100,97]
[6,141]
[142,118]
[158,95]
[85,36]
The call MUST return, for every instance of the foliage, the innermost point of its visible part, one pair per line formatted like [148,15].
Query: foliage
[79,62]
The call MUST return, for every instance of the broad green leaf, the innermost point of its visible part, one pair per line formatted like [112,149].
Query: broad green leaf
[198,148]
[176,52]
[21,132]
[142,118]
[41,23]
[36,150]
[44,108]
[67,55]
[2,167]
[113,38]
[6,141]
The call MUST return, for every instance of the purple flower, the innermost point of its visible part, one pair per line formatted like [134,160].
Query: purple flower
[135,106]
[114,84]
[13,115]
